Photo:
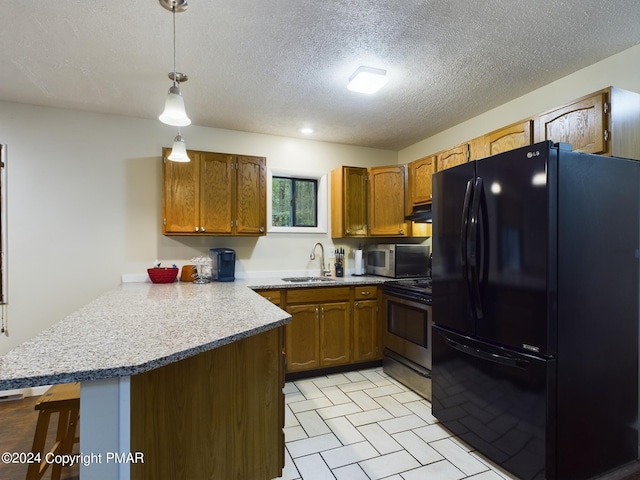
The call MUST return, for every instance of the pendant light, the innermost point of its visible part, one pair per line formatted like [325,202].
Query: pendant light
[179,150]
[174,112]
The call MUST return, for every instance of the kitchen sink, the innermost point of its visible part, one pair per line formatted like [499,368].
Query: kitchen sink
[307,279]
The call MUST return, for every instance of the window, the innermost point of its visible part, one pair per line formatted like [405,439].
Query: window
[294,202]
[298,201]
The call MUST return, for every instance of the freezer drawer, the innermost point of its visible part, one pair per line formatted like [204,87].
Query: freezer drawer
[499,401]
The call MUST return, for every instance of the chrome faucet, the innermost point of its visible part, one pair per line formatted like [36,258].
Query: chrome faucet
[324,272]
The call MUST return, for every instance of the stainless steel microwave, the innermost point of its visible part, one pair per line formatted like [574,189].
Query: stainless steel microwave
[397,260]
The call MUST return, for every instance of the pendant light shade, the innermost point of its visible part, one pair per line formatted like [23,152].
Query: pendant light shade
[179,151]
[174,112]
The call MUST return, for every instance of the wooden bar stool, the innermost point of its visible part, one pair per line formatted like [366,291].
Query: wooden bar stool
[65,400]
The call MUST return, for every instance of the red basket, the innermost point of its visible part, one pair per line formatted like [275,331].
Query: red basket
[162,275]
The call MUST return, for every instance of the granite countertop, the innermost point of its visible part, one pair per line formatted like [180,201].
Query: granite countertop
[141,326]
[138,327]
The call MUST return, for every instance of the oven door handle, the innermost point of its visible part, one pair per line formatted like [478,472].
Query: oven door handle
[491,357]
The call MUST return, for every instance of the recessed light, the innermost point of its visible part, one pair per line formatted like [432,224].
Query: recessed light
[367,80]
[307,130]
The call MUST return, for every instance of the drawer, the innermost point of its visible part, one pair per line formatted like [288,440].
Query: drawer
[366,292]
[273,296]
[317,295]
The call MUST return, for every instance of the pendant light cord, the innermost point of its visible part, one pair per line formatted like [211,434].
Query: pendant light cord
[173,14]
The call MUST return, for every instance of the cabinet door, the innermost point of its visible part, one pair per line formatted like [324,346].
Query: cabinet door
[251,196]
[302,336]
[180,196]
[365,331]
[387,200]
[216,193]
[354,199]
[509,138]
[335,334]
[420,173]
[349,215]
[452,157]
[581,124]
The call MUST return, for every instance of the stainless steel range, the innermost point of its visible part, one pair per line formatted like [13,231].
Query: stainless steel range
[407,333]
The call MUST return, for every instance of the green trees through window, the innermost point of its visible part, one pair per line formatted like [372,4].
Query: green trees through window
[294,202]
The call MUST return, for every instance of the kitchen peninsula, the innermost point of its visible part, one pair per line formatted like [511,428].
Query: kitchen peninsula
[189,375]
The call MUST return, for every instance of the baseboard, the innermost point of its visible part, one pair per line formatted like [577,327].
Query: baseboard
[18,394]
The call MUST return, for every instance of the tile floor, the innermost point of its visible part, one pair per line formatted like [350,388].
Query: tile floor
[364,425]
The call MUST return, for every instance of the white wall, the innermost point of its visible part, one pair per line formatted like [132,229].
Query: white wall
[621,70]
[85,193]
[84,206]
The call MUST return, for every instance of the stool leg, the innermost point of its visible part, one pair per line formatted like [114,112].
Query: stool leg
[70,438]
[61,435]
[39,439]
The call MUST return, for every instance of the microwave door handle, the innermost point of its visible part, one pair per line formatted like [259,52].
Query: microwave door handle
[463,242]
[473,246]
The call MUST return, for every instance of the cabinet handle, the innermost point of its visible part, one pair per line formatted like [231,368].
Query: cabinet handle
[348,231]
[202,229]
[357,305]
[401,232]
[317,313]
[366,293]
[261,229]
[196,229]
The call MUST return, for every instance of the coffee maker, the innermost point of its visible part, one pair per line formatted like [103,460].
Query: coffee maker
[223,264]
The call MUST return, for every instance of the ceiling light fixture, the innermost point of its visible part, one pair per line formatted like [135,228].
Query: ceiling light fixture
[367,80]
[307,130]
[174,112]
[179,150]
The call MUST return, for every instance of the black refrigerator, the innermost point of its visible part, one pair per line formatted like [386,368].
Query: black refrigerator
[536,309]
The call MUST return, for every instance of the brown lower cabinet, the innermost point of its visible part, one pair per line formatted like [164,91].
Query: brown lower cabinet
[366,333]
[330,326]
[218,414]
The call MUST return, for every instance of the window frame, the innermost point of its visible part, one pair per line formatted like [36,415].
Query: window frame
[322,200]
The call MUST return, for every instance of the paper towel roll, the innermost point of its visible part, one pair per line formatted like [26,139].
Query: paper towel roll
[358,269]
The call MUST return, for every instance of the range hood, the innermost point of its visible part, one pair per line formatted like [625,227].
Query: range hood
[420,214]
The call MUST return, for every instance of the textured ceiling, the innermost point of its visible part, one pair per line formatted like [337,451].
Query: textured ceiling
[273,66]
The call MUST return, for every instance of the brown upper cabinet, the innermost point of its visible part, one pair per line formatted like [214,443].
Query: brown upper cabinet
[452,157]
[214,194]
[583,124]
[606,122]
[388,201]
[509,138]
[420,172]
[349,192]
[369,202]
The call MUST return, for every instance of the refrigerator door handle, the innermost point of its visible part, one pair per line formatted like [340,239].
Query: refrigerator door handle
[464,230]
[472,247]
[489,356]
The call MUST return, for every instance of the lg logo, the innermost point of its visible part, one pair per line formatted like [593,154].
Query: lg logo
[533,154]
